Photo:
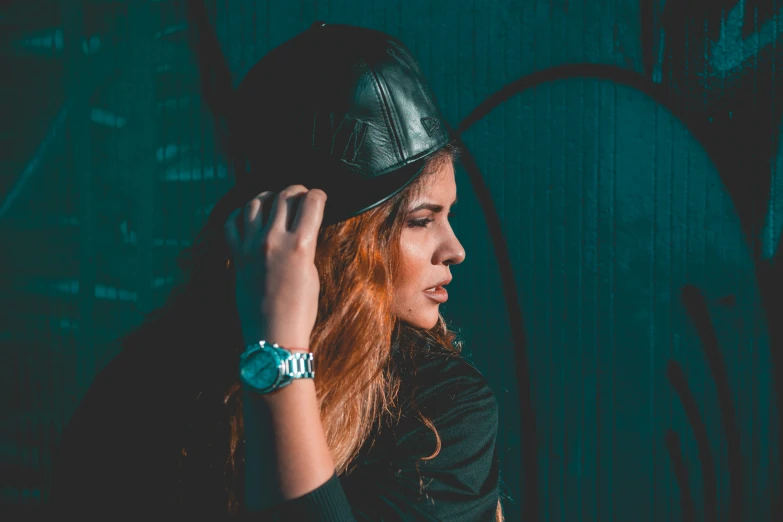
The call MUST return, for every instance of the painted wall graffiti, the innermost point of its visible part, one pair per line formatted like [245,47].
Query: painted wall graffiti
[712,67]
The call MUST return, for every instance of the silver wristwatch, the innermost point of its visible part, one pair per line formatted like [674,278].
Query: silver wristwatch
[264,367]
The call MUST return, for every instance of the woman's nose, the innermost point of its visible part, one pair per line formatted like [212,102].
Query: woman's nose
[456,253]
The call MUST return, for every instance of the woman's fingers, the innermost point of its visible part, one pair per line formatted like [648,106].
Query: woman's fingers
[311,213]
[284,207]
[254,214]
[295,209]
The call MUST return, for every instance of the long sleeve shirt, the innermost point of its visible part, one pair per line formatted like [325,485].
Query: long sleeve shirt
[137,429]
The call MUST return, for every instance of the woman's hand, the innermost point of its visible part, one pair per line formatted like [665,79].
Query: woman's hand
[277,290]
[277,282]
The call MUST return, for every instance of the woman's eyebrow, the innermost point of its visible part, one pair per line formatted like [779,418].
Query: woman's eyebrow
[432,206]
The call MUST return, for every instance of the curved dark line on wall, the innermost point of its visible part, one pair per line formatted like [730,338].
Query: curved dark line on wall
[600,71]
[696,306]
[769,278]
[215,75]
[709,476]
[681,474]
[516,322]
[696,124]
[647,25]
[573,71]
[777,257]
[699,127]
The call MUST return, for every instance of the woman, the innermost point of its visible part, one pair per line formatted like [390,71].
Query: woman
[332,258]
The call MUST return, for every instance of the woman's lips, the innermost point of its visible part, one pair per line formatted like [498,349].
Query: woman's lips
[439,294]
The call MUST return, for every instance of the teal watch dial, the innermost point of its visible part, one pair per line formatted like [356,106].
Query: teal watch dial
[261,368]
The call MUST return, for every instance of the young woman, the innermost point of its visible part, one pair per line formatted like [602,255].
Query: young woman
[304,371]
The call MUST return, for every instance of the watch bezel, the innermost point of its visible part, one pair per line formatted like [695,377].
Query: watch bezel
[279,354]
[283,379]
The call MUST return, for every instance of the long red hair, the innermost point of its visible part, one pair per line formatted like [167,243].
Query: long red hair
[357,260]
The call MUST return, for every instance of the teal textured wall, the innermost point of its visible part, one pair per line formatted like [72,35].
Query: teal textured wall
[620,207]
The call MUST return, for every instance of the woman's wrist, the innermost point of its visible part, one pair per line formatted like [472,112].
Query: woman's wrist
[299,392]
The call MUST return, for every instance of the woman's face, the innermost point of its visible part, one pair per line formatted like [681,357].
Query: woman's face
[428,247]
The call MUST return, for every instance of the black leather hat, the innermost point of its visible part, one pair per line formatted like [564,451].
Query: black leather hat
[338,107]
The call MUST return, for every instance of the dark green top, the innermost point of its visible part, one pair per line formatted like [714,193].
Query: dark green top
[121,453]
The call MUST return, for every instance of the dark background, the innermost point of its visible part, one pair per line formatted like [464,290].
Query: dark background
[620,206]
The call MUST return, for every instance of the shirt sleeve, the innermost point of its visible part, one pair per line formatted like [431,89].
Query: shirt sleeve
[459,484]
[326,503]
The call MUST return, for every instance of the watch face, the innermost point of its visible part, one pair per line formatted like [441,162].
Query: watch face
[259,369]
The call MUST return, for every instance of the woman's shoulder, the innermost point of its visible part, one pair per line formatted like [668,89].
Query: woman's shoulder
[442,383]
[444,438]
[435,367]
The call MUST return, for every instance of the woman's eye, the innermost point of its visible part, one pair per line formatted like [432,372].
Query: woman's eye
[420,222]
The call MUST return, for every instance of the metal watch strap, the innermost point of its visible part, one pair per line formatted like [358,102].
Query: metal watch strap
[300,366]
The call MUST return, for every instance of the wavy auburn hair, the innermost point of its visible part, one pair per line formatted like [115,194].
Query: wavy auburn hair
[358,261]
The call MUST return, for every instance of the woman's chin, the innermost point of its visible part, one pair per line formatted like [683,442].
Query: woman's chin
[424,321]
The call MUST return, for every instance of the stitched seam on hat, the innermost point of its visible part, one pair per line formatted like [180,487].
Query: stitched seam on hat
[393,115]
[443,141]
[387,109]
